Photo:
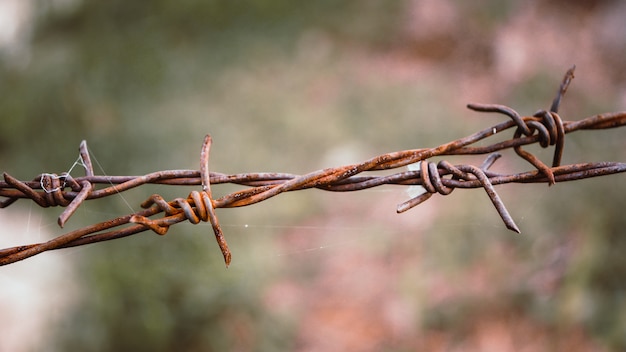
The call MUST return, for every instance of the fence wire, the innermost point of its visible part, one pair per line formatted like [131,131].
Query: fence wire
[544,127]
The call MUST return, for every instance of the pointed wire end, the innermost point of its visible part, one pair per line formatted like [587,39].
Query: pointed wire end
[206,144]
[571,70]
[61,221]
[567,79]
[413,202]
[205,175]
[227,259]
[5,203]
[547,172]
[490,160]
[551,179]
[513,227]
[82,148]
[475,106]
[402,208]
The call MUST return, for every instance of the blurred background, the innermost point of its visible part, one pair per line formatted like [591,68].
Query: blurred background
[287,86]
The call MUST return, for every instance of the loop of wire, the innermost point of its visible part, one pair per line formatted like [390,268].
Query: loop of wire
[198,206]
[430,175]
[548,125]
[53,189]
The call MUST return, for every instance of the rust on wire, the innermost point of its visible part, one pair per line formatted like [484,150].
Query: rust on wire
[203,201]
[545,128]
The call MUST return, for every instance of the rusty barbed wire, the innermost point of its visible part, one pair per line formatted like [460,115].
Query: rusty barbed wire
[544,127]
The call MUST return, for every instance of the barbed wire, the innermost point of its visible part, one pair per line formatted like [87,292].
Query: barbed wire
[544,127]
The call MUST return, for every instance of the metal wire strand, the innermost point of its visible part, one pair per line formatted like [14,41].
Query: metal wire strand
[545,128]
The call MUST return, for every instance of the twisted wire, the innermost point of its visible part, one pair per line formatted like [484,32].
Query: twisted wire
[198,206]
[545,127]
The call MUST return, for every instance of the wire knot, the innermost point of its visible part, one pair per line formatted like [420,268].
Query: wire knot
[53,194]
[203,208]
[550,131]
[195,209]
[430,175]
[53,186]
[548,124]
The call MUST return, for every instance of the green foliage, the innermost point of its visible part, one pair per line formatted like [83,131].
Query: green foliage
[152,295]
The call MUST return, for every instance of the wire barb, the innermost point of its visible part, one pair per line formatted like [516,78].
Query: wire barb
[546,128]
[202,208]
[547,124]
